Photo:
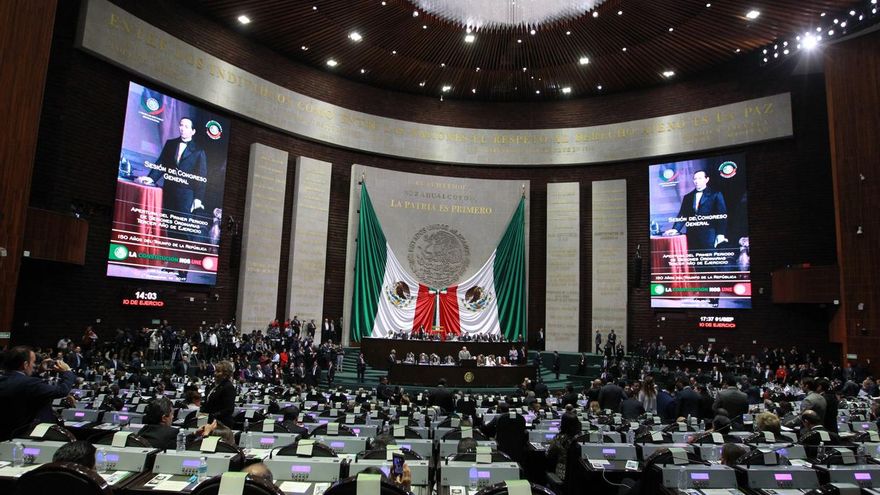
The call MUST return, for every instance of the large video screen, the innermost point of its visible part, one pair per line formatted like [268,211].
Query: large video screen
[168,214]
[700,234]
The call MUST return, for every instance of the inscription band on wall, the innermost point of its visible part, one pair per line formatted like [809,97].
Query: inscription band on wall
[117,36]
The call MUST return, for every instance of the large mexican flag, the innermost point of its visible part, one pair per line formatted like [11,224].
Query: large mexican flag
[388,299]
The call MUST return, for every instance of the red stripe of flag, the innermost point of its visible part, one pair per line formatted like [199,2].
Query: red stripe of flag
[424,309]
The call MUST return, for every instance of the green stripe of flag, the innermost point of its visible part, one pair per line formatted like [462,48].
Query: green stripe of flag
[510,276]
[369,269]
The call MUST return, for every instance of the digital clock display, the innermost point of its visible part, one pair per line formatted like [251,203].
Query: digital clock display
[143,298]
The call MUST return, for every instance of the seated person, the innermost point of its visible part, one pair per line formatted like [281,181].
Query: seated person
[260,471]
[78,452]
[466,446]
[435,359]
[448,360]
[767,421]
[192,400]
[423,358]
[410,358]
[730,452]
[157,429]
[291,421]
[404,480]
[557,452]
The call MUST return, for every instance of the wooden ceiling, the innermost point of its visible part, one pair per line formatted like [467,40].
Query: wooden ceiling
[629,45]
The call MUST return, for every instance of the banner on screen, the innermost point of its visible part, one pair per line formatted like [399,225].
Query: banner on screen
[168,213]
[699,234]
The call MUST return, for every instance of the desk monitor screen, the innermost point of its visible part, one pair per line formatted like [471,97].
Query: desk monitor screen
[79,414]
[267,440]
[862,476]
[112,457]
[300,469]
[699,476]
[337,445]
[32,451]
[782,476]
[609,451]
[191,463]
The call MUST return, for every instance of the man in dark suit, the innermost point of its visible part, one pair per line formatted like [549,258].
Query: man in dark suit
[631,408]
[361,367]
[610,397]
[185,172]
[688,401]
[570,397]
[75,359]
[383,391]
[27,399]
[556,364]
[702,201]
[442,397]
[157,428]
[732,400]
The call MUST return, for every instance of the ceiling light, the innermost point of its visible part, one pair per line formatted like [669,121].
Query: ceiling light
[332,63]
[478,69]
[519,41]
[668,73]
[363,71]
[537,91]
[314,7]
[525,69]
[584,60]
[595,13]
[671,29]
[566,90]
[753,14]
[469,38]
[244,19]
[422,84]
[568,33]
[619,12]
[810,42]
[442,64]
[394,52]
[424,26]
[304,48]
[415,13]
[822,14]
[446,88]
[384,3]
[852,12]
[355,36]
[708,5]
[599,87]
[736,51]
[624,48]
[532,32]
[474,90]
